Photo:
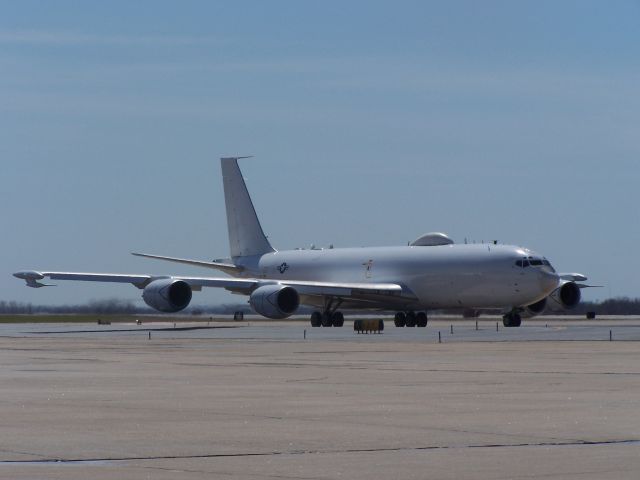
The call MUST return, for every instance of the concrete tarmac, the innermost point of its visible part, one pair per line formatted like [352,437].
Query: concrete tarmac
[260,401]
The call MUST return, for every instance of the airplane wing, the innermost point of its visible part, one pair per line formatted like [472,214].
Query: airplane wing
[33,278]
[236,285]
[573,277]
[577,277]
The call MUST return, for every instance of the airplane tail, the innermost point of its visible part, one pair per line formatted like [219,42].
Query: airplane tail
[246,237]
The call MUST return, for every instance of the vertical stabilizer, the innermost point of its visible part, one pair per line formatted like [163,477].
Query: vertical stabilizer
[246,237]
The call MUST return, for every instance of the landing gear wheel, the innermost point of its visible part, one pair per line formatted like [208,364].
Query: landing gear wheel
[337,319]
[411,319]
[512,320]
[316,319]
[400,319]
[421,319]
[516,320]
[327,320]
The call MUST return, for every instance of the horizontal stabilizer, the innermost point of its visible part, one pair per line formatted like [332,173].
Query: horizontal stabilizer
[225,267]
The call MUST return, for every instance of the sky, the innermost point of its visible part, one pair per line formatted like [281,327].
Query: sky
[371,123]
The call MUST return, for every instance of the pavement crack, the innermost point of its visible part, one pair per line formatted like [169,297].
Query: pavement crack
[577,443]
[18,452]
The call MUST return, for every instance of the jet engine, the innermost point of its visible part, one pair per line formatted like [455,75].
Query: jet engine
[167,295]
[275,301]
[534,309]
[565,297]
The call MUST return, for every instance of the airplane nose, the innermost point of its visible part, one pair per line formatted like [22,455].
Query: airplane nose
[548,281]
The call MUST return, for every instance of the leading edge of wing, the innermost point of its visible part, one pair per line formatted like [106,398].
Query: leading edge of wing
[33,277]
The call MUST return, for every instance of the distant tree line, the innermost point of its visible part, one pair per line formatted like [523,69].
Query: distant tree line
[611,306]
[109,306]
[115,306]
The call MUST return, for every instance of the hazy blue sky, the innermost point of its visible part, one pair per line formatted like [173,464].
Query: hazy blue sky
[371,122]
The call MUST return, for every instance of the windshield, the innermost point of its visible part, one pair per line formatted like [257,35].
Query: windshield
[534,262]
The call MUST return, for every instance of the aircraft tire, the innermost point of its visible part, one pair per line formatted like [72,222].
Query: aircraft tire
[411,320]
[400,319]
[512,320]
[516,320]
[337,319]
[316,319]
[326,320]
[421,319]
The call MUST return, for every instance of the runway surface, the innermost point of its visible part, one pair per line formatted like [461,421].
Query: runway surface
[552,399]
[487,330]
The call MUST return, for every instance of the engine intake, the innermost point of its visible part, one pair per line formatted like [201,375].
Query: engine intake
[167,295]
[275,301]
[565,297]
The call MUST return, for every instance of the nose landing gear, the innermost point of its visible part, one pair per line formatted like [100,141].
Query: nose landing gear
[512,319]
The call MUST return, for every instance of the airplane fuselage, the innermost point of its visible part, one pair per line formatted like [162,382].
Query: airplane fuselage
[446,276]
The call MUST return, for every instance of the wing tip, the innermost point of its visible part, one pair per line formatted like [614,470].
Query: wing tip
[32,277]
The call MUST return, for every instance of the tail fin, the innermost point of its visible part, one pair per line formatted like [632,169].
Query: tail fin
[246,237]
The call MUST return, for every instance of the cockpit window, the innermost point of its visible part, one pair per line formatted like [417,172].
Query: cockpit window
[531,261]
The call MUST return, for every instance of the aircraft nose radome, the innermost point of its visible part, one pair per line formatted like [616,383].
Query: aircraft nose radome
[548,281]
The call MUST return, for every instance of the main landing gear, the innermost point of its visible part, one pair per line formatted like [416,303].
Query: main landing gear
[335,319]
[330,317]
[512,319]
[410,319]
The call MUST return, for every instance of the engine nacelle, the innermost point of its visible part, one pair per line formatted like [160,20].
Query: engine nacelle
[275,301]
[167,295]
[534,309]
[565,297]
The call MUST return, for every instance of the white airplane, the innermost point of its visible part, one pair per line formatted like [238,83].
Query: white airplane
[430,273]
